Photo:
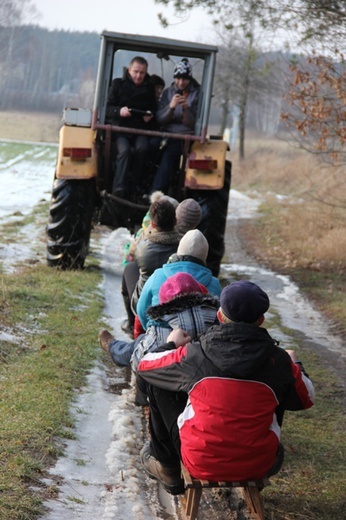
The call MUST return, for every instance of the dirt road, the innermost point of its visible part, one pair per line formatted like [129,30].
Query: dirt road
[111,430]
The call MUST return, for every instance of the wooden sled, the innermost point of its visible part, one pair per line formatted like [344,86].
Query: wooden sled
[194,487]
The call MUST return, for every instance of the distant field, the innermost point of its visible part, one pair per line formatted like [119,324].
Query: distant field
[30,126]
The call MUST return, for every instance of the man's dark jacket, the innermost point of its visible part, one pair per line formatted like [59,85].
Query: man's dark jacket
[124,93]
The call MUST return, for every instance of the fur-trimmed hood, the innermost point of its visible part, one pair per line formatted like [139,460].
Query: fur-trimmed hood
[181,303]
[161,237]
[195,313]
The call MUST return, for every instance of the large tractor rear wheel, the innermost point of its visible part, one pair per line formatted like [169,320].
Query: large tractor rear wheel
[214,204]
[69,225]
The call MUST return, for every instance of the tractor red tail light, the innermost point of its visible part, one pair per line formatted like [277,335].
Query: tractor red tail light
[203,164]
[78,154]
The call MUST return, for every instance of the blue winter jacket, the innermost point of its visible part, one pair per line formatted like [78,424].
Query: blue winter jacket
[150,292]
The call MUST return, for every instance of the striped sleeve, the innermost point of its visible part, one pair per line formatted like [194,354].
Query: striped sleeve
[162,368]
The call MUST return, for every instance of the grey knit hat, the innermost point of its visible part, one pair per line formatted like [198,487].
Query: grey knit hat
[189,215]
[194,244]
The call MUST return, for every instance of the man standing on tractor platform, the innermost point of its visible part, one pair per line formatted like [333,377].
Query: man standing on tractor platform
[132,104]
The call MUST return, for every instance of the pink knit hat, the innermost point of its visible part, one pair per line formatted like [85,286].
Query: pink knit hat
[178,284]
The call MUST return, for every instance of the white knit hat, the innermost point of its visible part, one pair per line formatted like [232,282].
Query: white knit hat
[194,244]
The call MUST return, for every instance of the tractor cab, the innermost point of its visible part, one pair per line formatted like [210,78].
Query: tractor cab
[86,160]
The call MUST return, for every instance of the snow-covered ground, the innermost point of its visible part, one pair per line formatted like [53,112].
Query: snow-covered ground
[26,173]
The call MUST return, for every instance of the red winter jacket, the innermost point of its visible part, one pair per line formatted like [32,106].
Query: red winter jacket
[239,382]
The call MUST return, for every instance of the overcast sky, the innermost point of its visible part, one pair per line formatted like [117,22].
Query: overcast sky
[126,16]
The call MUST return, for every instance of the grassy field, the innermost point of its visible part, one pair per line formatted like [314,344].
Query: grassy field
[55,315]
[30,126]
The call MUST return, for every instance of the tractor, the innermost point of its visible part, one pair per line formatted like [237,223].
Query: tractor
[82,186]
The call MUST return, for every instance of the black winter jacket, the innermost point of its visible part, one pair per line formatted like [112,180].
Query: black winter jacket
[124,93]
[151,253]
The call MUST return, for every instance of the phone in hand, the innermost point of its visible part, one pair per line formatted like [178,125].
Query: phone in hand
[140,112]
[180,92]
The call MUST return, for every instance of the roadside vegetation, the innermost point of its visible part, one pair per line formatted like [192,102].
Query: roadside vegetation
[311,483]
[51,319]
[302,226]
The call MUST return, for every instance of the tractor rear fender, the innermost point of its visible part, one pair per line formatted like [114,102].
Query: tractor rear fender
[77,158]
[206,165]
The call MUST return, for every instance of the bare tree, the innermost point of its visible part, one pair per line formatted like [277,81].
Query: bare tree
[16,12]
[315,21]
[240,73]
[12,14]
[316,27]
[316,115]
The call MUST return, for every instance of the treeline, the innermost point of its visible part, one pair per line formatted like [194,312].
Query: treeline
[47,70]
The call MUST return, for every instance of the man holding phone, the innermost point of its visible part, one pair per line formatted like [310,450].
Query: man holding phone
[131,103]
[176,113]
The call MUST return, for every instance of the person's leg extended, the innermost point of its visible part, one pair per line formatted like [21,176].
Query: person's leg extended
[121,351]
